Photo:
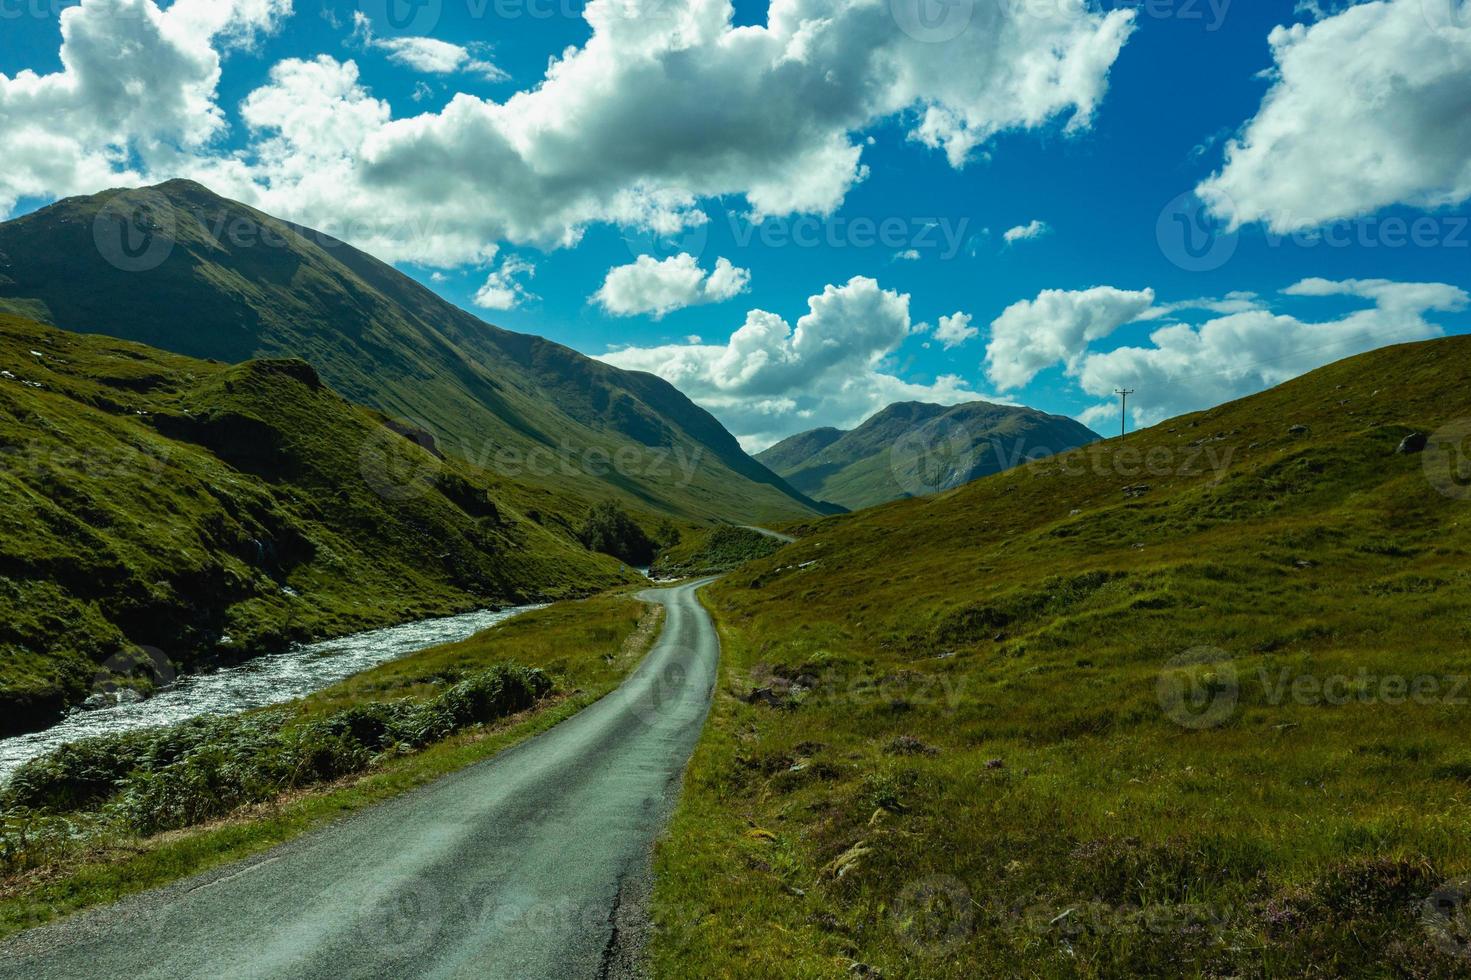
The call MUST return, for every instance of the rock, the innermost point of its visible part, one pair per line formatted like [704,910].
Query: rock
[1413,443]
[863,970]
[1138,490]
[768,697]
[996,764]
[909,745]
[1299,430]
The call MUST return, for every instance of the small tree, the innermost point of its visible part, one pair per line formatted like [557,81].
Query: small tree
[610,531]
[667,535]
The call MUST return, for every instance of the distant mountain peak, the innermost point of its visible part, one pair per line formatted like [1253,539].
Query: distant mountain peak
[911,449]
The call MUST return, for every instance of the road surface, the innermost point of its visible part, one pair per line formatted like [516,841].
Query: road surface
[783,538]
[531,864]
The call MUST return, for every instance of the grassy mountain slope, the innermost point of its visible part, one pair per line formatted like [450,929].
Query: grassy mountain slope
[911,449]
[211,510]
[1190,703]
[181,269]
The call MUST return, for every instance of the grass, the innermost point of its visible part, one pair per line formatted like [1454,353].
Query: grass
[711,551]
[234,284]
[586,647]
[217,512]
[1190,703]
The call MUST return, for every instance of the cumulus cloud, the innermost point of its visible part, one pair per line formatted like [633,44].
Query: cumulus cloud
[1056,328]
[1367,108]
[651,286]
[1030,230]
[770,380]
[663,106]
[136,93]
[1186,368]
[504,289]
[955,330]
[427,54]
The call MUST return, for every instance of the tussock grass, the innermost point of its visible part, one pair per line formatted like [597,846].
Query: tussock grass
[963,740]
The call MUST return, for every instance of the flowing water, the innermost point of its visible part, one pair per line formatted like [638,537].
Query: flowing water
[266,680]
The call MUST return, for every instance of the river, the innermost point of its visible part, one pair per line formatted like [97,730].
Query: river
[271,679]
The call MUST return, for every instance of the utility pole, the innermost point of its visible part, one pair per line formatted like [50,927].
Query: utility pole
[1123,394]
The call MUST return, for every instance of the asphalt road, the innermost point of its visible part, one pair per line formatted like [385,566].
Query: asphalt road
[783,538]
[532,864]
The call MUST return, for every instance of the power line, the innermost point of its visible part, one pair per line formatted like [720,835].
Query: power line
[1123,394]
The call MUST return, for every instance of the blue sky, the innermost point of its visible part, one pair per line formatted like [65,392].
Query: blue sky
[1367,260]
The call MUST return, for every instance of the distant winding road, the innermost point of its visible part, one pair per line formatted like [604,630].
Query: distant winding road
[532,864]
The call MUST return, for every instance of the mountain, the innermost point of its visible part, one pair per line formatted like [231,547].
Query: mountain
[178,268]
[214,512]
[912,449]
[1183,703]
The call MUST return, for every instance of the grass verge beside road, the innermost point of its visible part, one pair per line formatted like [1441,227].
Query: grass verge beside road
[56,865]
[1191,703]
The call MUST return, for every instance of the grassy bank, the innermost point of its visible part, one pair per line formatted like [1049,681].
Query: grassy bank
[61,858]
[213,512]
[711,551]
[1190,703]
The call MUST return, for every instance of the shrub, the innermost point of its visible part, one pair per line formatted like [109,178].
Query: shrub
[167,778]
[610,531]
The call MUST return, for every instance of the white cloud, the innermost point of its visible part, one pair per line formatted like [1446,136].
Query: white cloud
[1234,302]
[663,106]
[1022,233]
[770,380]
[1187,368]
[651,286]
[1367,109]
[504,290]
[908,255]
[1056,327]
[135,95]
[427,54]
[955,330]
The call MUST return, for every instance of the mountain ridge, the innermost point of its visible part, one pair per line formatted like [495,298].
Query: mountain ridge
[179,268]
[912,449]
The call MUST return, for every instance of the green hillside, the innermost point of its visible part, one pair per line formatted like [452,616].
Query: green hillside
[1190,703]
[181,269]
[912,449]
[205,510]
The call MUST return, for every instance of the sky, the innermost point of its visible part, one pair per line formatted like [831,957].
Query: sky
[801,211]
